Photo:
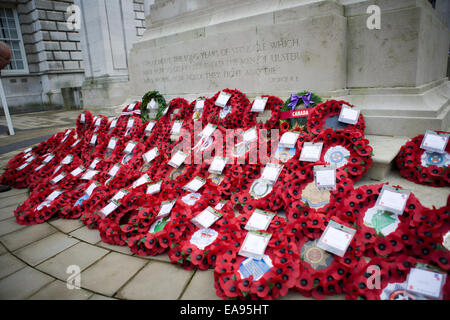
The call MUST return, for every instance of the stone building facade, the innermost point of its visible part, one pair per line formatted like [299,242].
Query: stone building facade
[53,60]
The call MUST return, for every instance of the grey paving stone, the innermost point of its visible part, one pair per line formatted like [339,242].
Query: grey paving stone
[22,284]
[164,257]
[157,281]
[57,290]
[14,200]
[86,234]
[41,250]
[81,254]
[108,275]
[201,287]
[121,249]
[65,225]
[12,193]
[100,297]
[27,235]
[292,295]
[7,213]
[2,249]
[9,225]
[9,264]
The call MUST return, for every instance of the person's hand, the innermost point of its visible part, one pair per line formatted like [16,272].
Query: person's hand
[5,55]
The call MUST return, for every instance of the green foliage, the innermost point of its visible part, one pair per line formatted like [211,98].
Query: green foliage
[146,100]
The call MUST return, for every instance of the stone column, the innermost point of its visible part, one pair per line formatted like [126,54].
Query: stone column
[108,30]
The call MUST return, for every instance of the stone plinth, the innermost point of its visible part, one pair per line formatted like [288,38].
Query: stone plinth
[396,75]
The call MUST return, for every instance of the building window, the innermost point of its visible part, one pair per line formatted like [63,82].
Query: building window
[10,34]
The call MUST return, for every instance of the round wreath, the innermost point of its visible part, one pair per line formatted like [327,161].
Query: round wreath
[162,106]
[422,167]
[296,102]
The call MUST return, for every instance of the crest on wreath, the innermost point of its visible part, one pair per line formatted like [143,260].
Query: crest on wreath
[296,109]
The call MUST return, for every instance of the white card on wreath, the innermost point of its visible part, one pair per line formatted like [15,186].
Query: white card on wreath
[93,139]
[336,238]
[112,143]
[150,126]
[206,218]
[176,128]
[48,158]
[154,188]
[349,115]
[91,188]
[55,194]
[311,152]
[142,180]
[393,200]
[426,282]
[178,159]
[113,171]
[434,142]
[58,178]
[119,195]
[30,159]
[271,172]
[98,121]
[255,244]
[217,165]
[199,104]
[152,104]
[130,147]
[130,123]
[166,208]
[131,107]
[23,166]
[113,124]
[150,155]
[195,184]
[250,135]
[259,220]
[325,177]
[78,171]
[89,174]
[39,168]
[110,207]
[223,99]
[289,139]
[259,104]
[76,143]
[67,160]
[208,130]
[82,118]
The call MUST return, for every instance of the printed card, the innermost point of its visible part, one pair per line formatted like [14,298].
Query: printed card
[195,184]
[130,123]
[154,188]
[58,178]
[206,218]
[55,194]
[94,163]
[119,195]
[393,200]
[271,172]
[112,143]
[289,139]
[48,158]
[150,126]
[166,208]
[110,207]
[223,99]
[113,171]
[67,160]
[150,155]
[259,220]
[113,124]
[39,168]
[426,282]
[217,165]
[82,118]
[91,188]
[178,159]
[89,174]
[93,139]
[97,122]
[325,177]
[208,130]
[434,142]
[199,104]
[311,152]
[142,180]
[76,143]
[259,104]
[176,128]
[336,238]
[131,106]
[220,205]
[349,115]
[255,244]
[23,166]
[250,135]
[130,147]
[78,171]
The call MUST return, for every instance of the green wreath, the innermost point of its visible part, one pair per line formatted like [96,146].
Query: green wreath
[299,124]
[162,106]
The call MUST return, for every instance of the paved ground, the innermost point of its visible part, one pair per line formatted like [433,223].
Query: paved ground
[34,260]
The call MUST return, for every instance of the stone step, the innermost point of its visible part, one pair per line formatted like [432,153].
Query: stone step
[385,149]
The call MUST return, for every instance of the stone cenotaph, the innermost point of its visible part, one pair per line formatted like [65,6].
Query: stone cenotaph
[395,72]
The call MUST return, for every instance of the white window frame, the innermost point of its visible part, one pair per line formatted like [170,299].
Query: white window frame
[25,69]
